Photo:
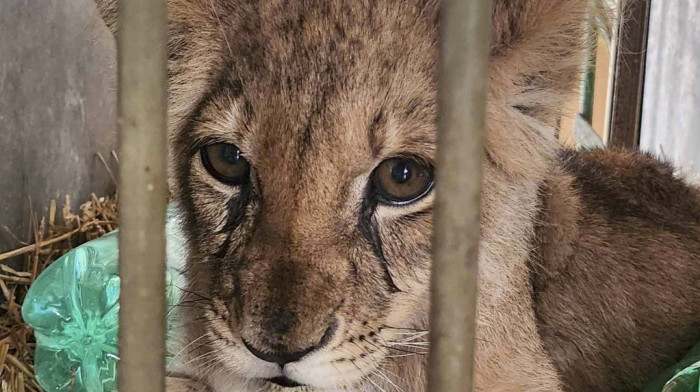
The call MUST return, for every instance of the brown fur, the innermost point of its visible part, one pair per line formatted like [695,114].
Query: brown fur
[316,94]
[617,266]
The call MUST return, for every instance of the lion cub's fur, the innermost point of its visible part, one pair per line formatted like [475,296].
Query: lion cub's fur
[589,261]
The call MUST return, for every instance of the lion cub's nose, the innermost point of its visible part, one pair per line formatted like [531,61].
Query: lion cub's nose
[283,357]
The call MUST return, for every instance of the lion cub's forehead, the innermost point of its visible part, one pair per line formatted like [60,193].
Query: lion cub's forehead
[346,132]
[345,83]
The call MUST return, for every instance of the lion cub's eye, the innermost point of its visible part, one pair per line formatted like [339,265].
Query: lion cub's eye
[402,181]
[225,163]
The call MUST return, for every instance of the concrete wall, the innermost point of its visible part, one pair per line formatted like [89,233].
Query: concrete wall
[57,107]
[671,120]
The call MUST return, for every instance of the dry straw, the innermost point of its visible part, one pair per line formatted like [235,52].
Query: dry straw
[63,231]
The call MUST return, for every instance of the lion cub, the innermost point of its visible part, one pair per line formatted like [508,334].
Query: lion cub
[302,148]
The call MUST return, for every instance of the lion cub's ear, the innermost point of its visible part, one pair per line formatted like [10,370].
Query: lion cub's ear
[537,56]
[195,48]
[538,46]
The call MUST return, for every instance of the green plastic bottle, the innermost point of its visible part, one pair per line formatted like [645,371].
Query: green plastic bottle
[73,307]
[682,377]
[687,380]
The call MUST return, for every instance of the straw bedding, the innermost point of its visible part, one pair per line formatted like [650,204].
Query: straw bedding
[52,238]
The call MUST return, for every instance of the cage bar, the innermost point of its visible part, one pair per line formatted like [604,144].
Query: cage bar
[463,84]
[141,58]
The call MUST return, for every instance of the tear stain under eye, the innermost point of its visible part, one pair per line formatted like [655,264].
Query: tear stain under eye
[223,248]
[369,230]
[235,216]
[235,207]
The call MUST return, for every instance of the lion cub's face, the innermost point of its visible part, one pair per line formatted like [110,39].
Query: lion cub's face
[306,175]
[303,136]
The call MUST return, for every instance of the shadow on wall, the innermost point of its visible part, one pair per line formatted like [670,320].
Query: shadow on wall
[57,108]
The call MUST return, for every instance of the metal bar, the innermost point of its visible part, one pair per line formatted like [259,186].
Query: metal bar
[588,83]
[463,84]
[141,56]
[628,83]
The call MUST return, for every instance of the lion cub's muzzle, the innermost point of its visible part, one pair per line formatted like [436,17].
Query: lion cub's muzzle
[283,357]
[287,309]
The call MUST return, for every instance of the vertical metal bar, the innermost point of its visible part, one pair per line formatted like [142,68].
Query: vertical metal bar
[588,84]
[463,84]
[141,56]
[628,84]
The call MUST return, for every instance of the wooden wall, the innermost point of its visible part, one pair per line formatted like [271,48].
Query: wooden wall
[671,111]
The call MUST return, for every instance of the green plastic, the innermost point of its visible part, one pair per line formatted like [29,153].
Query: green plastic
[683,377]
[73,307]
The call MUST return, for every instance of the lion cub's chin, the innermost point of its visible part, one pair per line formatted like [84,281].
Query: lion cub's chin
[224,383]
[321,372]
[325,375]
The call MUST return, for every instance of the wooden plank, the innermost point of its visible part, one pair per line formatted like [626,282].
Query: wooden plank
[628,84]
